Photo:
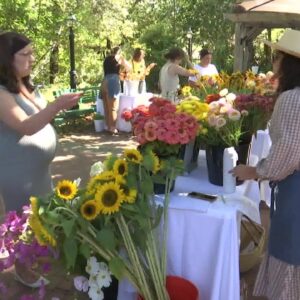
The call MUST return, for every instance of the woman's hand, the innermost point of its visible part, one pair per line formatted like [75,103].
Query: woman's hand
[67,101]
[243,172]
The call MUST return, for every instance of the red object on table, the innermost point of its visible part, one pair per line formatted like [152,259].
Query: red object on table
[180,289]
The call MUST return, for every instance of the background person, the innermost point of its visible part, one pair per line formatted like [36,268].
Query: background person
[27,140]
[205,67]
[169,73]
[139,69]
[279,274]
[111,87]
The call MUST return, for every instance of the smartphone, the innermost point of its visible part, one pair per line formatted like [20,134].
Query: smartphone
[203,196]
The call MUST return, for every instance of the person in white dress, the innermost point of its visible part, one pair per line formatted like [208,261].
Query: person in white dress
[205,68]
[169,73]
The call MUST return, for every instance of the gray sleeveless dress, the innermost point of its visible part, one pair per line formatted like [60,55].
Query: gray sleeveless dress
[25,160]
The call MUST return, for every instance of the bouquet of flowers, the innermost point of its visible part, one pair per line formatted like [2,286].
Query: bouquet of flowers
[162,128]
[113,219]
[222,125]
[259,110]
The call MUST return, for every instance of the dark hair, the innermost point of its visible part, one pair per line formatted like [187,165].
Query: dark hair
[11,43]
[137,54]
[288,72]
[115,50]
[175,53]
[204,52]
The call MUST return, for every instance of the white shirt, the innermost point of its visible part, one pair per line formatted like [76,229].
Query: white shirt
[204,71]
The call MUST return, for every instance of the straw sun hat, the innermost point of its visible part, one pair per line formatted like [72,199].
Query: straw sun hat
[289,43]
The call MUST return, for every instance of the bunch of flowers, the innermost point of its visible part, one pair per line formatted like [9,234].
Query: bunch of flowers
[223,123]
[163,127]
[259,108]
[17,244]
[99,277]
[113,217]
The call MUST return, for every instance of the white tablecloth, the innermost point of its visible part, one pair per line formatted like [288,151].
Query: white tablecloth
[128,103]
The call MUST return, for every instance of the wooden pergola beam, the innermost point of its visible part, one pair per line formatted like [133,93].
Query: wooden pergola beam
[265,19]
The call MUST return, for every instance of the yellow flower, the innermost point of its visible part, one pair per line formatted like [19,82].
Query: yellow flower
[186,90]
[133,155]
[129,194]
[120,167]
[66,189]
[89,210]
[42,235]
[109,197]
[34,205]
[156,164]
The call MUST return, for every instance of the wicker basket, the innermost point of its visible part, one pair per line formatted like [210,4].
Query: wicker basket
[253,237]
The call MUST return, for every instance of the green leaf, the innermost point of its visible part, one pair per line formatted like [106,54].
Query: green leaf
[70,250]
[147,185]
[68,227]
[117,267]
[106,237]
[85,250]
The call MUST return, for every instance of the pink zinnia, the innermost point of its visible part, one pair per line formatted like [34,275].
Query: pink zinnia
[150,135]
[161,134]
[141,138]
[172,137]
[150,125]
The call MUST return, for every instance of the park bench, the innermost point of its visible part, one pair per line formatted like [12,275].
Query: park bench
[86,104]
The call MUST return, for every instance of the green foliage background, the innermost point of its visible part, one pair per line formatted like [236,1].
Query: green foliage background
[155,25]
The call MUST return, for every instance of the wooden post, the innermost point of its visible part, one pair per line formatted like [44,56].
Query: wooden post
[238,48]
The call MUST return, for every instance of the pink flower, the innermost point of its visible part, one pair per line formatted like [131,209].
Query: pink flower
[150,135]
[172,137]
[171,124]
[161,134]
[150,125]
[81,283]
[141,139]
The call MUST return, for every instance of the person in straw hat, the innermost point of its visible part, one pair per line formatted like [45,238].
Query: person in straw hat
[279,274]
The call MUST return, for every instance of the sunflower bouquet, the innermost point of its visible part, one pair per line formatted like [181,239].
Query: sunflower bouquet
[113,218]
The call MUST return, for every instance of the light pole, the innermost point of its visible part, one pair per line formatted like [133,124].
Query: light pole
[189,36]
[71,23]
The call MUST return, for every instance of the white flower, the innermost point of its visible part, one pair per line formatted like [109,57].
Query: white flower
[261,76]
[92,266]
[224,109]
[221,101]
[103,266]
[96,168]
[77,181]
[223,92]
[95,293]
[220,122]
[234,115]
[81,283]
[103,278]
[213,105]
[269,75]
[230,97]
[212,120]
[244,113]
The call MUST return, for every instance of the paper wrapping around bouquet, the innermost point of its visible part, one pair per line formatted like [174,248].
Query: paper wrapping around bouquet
[230,158]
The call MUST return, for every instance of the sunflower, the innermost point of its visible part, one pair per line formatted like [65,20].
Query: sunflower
[133,155]
[156,164]
[120,167]
[98,180]
[41,234]
[66,189]
[129,194]
[109,197]
[89,210]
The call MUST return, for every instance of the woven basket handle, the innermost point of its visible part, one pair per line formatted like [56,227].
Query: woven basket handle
[256,227]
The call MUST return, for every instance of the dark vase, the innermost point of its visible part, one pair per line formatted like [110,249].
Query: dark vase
[160,188]
[189,154]
[179,288]
[214,160]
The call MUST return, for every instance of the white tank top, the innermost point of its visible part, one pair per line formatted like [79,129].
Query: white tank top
[168,83]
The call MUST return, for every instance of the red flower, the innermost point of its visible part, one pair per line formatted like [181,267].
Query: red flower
[212,97]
